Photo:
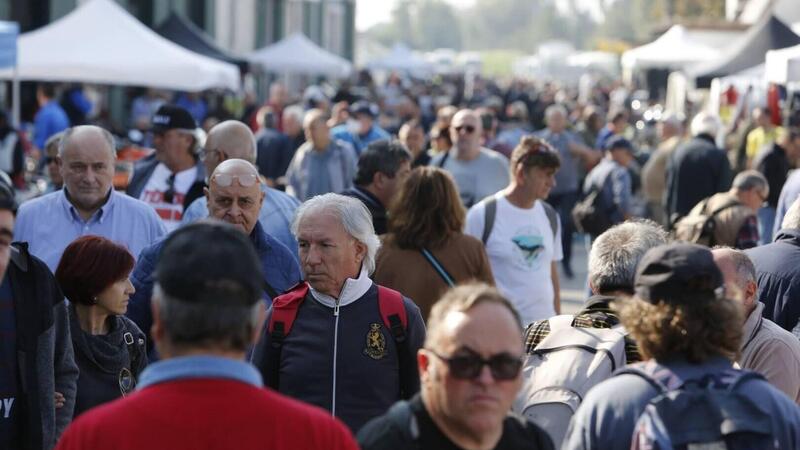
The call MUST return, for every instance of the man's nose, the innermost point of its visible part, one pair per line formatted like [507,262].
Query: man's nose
[485,377]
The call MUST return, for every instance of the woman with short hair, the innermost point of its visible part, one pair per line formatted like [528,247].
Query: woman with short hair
[109,348]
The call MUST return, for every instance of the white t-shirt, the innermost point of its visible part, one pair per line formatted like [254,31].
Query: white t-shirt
[153,194]
[521,249]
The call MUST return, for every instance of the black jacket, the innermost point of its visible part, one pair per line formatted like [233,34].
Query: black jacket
[778,277]
[697,169]
[374,206]
[773,163]
[101,360]
[44,351]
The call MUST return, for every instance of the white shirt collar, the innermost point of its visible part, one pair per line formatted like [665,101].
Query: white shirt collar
[352,290]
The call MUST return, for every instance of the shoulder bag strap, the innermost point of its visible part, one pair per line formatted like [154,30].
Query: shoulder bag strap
[489,214]
[438,267]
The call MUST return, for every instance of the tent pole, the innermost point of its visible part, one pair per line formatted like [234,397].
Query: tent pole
[15,98]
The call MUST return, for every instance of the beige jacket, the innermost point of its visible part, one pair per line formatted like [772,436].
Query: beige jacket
[773,352]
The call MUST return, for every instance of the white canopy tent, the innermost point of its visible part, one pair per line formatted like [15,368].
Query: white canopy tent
[297,54]
[101,43]
[401,58]
[674,49]
[783,66]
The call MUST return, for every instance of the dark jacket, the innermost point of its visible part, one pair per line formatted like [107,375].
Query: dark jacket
[374,206]
[778,277]
[773,163]
[277,263]
[408,426]
[101,359]
[44,350]
[323,354]
[275,152]
[144,170]
[697,169]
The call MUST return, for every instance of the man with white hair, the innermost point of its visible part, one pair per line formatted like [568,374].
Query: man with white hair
[573,155]
[697,169]
[778,273]
[338,340]
[322,164]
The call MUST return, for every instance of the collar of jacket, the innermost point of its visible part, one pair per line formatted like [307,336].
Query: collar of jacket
[19,255]
[789,236]
[352,290]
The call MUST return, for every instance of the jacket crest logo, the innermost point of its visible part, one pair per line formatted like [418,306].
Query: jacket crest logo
[376,343]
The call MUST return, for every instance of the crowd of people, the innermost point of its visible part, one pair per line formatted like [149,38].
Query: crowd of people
[337,272]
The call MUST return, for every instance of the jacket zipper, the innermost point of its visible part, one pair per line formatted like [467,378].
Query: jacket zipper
[335,344]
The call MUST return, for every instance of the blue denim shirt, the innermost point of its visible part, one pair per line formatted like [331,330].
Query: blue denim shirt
[359,142]
[275,217]
[185,367]
[49,223]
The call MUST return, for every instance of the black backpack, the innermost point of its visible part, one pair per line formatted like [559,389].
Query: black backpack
[591,214]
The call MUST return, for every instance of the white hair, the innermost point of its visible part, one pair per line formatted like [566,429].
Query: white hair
[354,216]
[616,253]
[705,123]
[791,221]
[294,111]
[553,109]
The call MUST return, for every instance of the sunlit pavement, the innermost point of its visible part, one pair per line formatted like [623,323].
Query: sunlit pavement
[573,291]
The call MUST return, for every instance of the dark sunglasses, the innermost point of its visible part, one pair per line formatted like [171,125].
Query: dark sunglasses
[225,180]
[468,128]
[503,366]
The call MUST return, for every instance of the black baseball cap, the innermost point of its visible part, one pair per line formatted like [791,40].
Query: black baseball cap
[170,117]
[678,273]
[619,142]
[210,262]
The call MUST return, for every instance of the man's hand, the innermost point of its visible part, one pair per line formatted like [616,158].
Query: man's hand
[59,397]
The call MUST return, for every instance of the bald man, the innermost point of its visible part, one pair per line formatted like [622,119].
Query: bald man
[233,139]
[87,204]
[234,195]
[478,171]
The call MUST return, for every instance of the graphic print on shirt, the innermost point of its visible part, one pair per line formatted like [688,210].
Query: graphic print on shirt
[528,247]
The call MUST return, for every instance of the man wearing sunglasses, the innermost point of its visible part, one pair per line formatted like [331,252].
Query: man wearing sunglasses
[478,171]
[234,196]
[173,176]
[470,372]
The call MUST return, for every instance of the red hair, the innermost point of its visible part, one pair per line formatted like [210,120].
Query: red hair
[89,265]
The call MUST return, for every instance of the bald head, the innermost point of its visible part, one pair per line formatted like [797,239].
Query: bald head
[234,194]
[230,139]
[465,132]
[739,274]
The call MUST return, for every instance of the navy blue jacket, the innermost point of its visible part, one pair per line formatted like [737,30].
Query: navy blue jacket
[778,277]
[366,379]
[277,263]
[696,169]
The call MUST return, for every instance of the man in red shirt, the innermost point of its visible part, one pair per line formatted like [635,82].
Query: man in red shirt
[206,312]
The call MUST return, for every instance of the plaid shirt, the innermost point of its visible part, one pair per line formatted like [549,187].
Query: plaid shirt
[596,314]
[748,234]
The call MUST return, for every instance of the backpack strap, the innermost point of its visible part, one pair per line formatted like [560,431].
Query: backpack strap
[438,267]
[134,348]
[284,311]
[489,214]
[552,216]
[401,416]
[660,378]
[395,318]
[730,204]
[273,294]
[443,161]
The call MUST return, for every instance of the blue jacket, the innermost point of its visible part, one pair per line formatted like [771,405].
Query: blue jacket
[359,142]
[778,277]
[327,360]
[279,266]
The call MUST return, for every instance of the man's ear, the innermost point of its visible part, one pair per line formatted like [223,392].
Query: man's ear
[423,362]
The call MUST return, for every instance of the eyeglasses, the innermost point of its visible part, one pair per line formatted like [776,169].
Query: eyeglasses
[503,366]
[225,180]
[469,129]
[169,194]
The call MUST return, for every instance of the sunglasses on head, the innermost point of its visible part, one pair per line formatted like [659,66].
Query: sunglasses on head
[225,180]
[503,366]
[468,128]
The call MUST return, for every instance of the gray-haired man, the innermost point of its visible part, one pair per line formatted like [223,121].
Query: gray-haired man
[338,340]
